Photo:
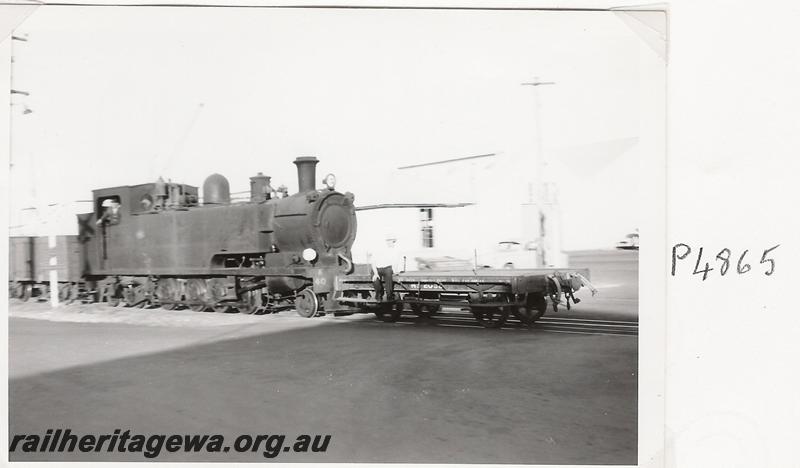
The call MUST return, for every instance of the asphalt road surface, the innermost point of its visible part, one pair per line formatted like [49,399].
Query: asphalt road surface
[416,391]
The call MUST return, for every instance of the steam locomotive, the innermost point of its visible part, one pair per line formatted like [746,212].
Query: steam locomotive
[155,244]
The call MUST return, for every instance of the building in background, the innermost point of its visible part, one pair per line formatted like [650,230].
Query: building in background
[469,212]
[479,211]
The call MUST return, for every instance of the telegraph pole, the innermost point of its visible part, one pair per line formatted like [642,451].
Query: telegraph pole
[536,190]
[10,102]
[40,208]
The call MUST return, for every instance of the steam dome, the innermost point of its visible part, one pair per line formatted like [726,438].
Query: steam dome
[216,190]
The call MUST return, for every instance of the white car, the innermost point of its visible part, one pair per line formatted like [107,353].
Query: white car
[510,254]
[630,242]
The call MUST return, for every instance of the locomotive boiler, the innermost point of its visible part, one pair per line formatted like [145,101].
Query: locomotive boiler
[154,243]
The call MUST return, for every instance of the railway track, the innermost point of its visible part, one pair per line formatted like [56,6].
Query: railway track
[553,324]
[452,317]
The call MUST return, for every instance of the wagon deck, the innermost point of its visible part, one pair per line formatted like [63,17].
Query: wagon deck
[485,280]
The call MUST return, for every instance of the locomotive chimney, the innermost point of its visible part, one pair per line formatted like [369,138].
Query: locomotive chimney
[259,188]
[306,173]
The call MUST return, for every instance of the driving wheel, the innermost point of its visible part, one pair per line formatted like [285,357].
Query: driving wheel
[196,294]
[169,293]
[250,302]
[134,296]
[217,290]
[112,295]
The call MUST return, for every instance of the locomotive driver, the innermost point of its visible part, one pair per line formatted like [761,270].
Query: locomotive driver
[384,262]
[111,213]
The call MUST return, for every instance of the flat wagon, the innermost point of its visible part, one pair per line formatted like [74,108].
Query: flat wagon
[491,295]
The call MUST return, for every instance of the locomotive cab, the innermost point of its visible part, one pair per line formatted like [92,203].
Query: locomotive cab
[107,230]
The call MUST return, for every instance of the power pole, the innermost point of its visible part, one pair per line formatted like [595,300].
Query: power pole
[536,190]
[41,216]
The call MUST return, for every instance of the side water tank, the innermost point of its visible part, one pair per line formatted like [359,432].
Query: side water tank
[216,190]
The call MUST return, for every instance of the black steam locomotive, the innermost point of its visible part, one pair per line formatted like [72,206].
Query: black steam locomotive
[153,243]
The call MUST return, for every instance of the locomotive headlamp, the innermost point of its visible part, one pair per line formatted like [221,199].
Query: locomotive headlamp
[329,181]
[309,255]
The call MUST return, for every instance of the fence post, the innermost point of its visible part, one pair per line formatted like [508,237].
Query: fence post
[51,243]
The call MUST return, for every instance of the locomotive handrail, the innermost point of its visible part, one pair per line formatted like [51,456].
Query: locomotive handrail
[349,264]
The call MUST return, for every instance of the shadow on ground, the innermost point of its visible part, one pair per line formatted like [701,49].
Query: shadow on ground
[385,393]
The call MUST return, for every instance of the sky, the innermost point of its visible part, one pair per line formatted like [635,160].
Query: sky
[121,96]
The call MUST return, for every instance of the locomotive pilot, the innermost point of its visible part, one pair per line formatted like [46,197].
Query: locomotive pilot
[384,262]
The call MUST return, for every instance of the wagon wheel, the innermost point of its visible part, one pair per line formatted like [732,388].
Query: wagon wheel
[44,293]
[19,291]
[490,317]
[250,302]
[74,293]
[307,304]
[24,292]
[217,290]
[168,292]
[389,312]
[535,307]
[426,310]
[196,293]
